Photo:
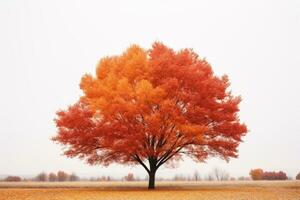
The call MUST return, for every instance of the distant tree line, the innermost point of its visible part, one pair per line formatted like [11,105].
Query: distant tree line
[12,179]
[216,174]
[259,174]
[60,176]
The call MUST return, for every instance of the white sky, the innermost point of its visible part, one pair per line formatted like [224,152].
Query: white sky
[46,46]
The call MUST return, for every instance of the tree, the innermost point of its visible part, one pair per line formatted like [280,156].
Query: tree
[52,177]
[220,175]
[149,108]
[274,176]
[43,177]
[256,174]
[74,177]
[259,174]
[196,176]
[104,178]
[62,176]
[180,177]
[298,176]
[108,178]
[210,177]
[13,179]
[243,178]
[281,176]
[129,177]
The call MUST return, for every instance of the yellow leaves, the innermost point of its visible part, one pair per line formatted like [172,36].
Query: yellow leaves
[101,103]
[135,64]
[132,64]
[105,66]
[121,80]
[91,87]
[143,89]
[94,88]
[124,88]
[146,93]
[86,81]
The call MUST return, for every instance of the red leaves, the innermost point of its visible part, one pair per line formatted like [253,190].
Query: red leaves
[259,174]
[152,105]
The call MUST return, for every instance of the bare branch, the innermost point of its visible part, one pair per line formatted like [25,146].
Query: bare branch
[137,158]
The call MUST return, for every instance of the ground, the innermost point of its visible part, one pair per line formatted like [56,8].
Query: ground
[231,190]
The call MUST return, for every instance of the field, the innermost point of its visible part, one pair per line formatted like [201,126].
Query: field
[236,190]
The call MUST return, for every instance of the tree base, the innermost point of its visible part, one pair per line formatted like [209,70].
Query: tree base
[151,185]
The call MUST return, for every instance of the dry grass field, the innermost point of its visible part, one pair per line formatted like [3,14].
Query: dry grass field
[244,190]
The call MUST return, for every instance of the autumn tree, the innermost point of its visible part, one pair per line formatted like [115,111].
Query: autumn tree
[129,177]
[62,176]
[43,177]
[52,177]
[259,174]
[13,179]
[298,176]
[220,175]
[74,177]
[274,176]
[150,107]
[256,174]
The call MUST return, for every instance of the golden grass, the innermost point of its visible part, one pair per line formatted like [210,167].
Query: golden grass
[244,190]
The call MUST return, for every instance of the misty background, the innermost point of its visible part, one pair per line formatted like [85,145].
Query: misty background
[47,46]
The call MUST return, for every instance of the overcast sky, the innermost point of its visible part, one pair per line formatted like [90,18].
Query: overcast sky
[46,46]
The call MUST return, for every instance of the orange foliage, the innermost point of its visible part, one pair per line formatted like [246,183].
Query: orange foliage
[152,107]
[298,176]
[256,174]
[259,174]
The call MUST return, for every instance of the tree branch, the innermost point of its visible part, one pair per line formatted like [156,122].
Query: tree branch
[137,158]
[170,155]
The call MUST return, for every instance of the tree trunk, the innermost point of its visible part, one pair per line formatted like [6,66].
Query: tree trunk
[151,184]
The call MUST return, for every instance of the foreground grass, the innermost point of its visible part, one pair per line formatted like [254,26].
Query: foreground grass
[244,190]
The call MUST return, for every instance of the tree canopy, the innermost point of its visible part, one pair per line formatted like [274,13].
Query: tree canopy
[150,107]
